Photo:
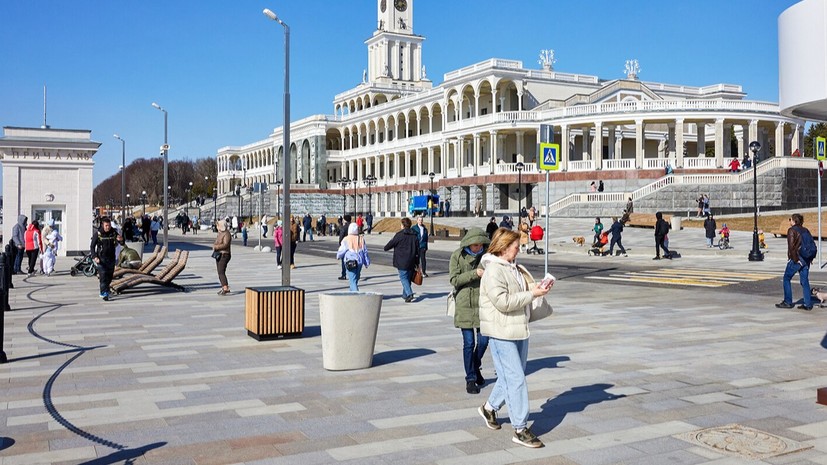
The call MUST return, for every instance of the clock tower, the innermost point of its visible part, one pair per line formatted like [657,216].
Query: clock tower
[394,51]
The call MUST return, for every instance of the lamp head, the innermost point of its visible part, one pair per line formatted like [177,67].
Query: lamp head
[116,136]
[431,175]
[156,105]
[754,147]
[519,166]
[267,12]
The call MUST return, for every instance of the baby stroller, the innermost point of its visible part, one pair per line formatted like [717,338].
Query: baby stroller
[84,265]
[535,234]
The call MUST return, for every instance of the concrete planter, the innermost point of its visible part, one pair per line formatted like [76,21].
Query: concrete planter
[349,322]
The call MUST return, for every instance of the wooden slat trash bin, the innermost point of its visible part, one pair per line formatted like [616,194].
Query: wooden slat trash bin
[274,312]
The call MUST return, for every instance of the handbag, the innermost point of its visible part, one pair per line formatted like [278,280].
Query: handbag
[417,277]
[540,308]
[451,310]
[351,265]
[216,254]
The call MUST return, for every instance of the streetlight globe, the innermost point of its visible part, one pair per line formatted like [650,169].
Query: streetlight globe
[754,146]
[143,192]
[520,165]
[431,175]
[267,12]
[156,106]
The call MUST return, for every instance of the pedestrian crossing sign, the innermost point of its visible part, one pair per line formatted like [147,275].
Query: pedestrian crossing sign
[820,143]
[550,159]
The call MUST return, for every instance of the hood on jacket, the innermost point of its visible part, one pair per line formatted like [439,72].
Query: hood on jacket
[30,227]
[488,259]
[21,220]
[474,236]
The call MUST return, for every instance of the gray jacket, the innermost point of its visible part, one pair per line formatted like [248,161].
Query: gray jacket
[18,232]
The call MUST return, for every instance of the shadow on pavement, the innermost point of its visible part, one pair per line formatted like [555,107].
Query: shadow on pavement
[126,456]
[393,356]
[5,443]
[534,366]
[574,400]
[824,341]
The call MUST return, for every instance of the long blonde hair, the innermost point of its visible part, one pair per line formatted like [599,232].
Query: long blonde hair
[502,239]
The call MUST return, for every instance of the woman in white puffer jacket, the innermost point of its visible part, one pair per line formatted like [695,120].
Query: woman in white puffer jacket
[506,294]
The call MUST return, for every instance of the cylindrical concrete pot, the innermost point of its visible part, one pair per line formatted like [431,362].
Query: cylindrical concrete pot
[349,322]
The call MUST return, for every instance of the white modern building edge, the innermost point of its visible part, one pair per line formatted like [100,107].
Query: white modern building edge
[802,60]
[47,175]
[471,130]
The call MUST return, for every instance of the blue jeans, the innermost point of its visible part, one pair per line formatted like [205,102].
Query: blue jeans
[18,260]
[353,277]
[804,277]
[405,278]
[472,353]
[511,389]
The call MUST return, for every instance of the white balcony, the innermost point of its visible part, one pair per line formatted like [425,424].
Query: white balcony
[655,163]
[619,164]
[694,163]
[581,165]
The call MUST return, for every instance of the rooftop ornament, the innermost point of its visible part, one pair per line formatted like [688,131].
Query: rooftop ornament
[632,69]
[547,59]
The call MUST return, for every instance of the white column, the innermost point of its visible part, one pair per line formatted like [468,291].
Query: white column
[476,104]
[742,140]
[779,139]
[494,101]
[753,132]
[418,155]
[520,156]
[597,154]
[407,165]
[476,155]
[520,101]
[727,141]
[719,143]
[459,155]
[430,159]
[797,138]
[612,141]
[639,143]
[460,101]
[493,158]
[394,64]
[564,147]
[701,149]
[584,143]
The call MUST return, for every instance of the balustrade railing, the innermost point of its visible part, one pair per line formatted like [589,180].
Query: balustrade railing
[655,163]
[511,168]
[699,163]
[619,164]
[581,165]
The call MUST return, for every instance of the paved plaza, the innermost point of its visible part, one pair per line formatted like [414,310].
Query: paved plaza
[622,373]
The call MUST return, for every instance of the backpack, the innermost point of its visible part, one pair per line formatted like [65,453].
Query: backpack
[807,250]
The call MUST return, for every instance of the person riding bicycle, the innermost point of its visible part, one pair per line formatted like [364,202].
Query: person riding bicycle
[725,235]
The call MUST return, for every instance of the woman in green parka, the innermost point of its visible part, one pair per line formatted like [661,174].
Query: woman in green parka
[465,276]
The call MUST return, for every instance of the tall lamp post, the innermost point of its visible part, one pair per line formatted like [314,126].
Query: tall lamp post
[285,271]
[431,176]
[520,166]
[165,150]
[355,198]
[343,183]
[123,175]
[278,195]
[143,203]
[128,205]
[369,181]
[189,199]
[755,254]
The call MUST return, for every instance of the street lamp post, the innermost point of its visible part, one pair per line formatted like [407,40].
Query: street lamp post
[143,203]
[355,198]
[189,199]
[278,195]
[370,181]
[165,150]
[343,183]
[431,176]
[755,254]
[128,205]
[285,271]
[123,174]
[520,166]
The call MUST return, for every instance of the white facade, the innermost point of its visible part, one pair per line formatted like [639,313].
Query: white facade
[47,174]
[471,130]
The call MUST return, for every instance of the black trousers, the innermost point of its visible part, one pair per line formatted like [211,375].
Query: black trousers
[423,262]
[106,269]
[32,254]
[659,244]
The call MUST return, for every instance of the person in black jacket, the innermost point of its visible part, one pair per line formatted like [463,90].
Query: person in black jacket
[491,228]
[405,246]
[709,228]
[343,234]
[616,229]
[661,230]
[104,242]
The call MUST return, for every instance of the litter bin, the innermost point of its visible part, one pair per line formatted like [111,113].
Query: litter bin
[349,322]
[676,223]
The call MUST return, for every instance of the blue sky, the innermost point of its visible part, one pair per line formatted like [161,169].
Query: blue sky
[217,66]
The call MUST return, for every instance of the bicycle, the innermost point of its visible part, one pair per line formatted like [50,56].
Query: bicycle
[723,243]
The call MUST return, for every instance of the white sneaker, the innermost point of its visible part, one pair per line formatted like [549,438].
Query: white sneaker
[279,267]
[625,255]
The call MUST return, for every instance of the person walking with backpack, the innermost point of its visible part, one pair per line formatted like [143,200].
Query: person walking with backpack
[801,249]
[617,231]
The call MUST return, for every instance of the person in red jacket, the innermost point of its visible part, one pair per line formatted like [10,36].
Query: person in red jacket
[34,244]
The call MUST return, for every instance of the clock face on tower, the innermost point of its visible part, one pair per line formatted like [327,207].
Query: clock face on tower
[383,5]
[401,5]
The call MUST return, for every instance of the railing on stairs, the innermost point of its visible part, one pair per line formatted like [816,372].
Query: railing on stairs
[671,179]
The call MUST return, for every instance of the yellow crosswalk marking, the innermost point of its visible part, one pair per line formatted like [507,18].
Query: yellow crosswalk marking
[697,277]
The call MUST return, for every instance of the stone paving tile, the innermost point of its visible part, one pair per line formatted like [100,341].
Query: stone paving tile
[752,363]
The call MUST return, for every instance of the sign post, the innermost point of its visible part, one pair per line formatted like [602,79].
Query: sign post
[820,143]
[549,161]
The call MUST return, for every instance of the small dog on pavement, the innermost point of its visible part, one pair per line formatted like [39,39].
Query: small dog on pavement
[820,295]
[579,240]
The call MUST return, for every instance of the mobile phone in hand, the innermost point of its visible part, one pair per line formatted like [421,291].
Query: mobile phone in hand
[547,281]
